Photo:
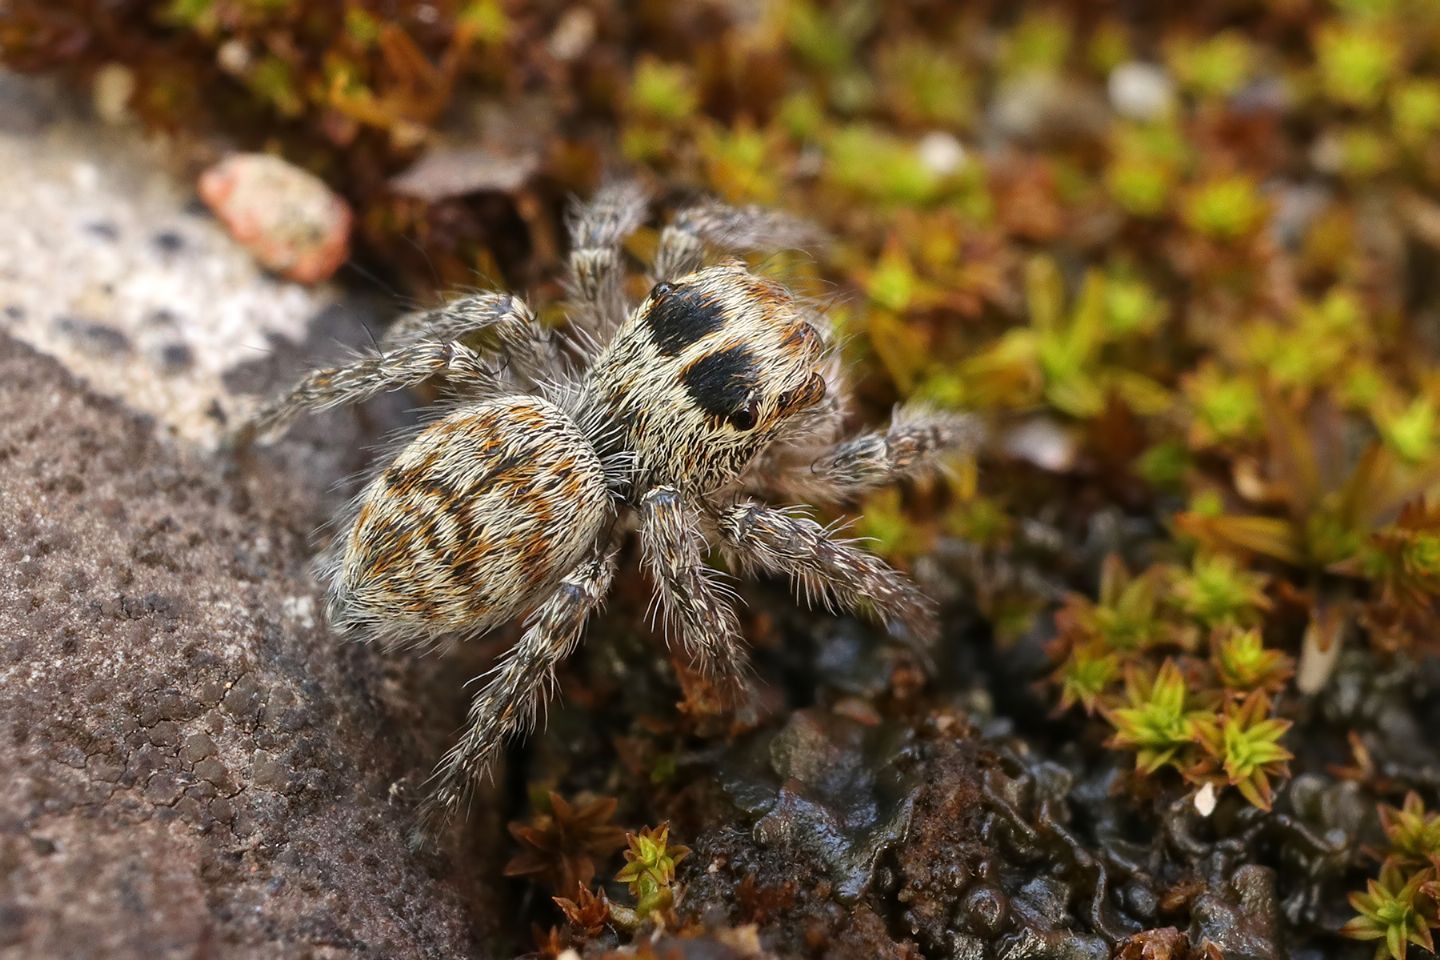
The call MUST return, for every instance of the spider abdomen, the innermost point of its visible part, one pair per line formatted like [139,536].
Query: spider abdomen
[474,517]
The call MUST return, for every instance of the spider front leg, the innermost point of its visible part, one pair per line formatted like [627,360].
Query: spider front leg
[515,689]
[782,543]
[694,606]
[528,347]
[734,229]
[913,444]
[364,378]
[595,272]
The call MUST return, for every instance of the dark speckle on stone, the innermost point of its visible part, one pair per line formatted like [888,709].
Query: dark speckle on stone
[103,229]
[176,357]
[92,337]
[14,312]
[168,241]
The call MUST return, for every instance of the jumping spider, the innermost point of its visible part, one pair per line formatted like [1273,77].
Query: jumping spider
[677,417]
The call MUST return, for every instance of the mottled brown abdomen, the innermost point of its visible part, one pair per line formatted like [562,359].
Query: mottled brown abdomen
[483,509]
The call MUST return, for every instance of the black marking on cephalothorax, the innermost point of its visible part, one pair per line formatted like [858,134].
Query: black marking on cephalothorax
[721,382]
[680,317]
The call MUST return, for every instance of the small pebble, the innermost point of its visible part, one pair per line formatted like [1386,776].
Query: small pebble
[111,92]
[941,153]
[286,217]
[1141,91]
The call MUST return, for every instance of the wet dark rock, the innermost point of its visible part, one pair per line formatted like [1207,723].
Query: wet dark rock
[1240,917]
[984,910]
[843,795]
[1030,944]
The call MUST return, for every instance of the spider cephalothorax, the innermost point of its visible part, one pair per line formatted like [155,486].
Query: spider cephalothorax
[705,373]
[680,417]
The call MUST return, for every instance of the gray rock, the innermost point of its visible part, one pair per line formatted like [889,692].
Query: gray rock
[110,264]
[193,765]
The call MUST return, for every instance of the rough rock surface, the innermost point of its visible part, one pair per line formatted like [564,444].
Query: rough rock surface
[193,766]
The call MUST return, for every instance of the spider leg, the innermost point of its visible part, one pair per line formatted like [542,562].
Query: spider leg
[912,445]
[735,229]
[528,348]
[595,271]
[693,603]
[364,378]
[514,690]
[836,572]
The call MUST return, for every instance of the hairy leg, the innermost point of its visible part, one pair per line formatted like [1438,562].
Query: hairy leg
[781,542]
[364,378]
[695,607]
[914,444]
[527,347]
[514,690]
[736,229]
[595,272]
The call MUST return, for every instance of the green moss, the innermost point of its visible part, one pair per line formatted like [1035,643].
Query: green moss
[275,81]
[199,15]
[1396,911]
[1216,66]
[1217,591]
[1225,208]
[1164,465]
[802,116]
[1040,41]
[818,36]
[663,91]
[1086,676]
[892,284]
[740,163]
[1245,744]
[1140,185]
[1109,46]
[1412,431]
[362,27]
[1131,306]
[927,85]
[1415,110]
[1226,407]
[865,161]
[1364,153]
[1356,63]
[1156,720]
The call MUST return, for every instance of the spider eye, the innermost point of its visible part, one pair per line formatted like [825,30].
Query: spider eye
[747,418]
[659,290]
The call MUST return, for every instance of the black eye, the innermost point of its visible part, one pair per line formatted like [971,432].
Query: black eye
[747,418]
[659,290]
